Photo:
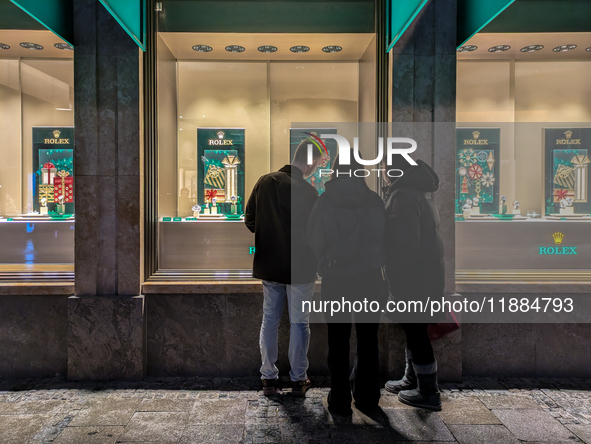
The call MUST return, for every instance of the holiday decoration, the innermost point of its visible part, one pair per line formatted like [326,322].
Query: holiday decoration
[490,160]
[475,172]
[215,177]
[64,187]
[231,163]
[487,179]
[48,173]
[581,164]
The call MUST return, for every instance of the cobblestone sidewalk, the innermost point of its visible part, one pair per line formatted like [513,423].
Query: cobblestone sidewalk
[196,410]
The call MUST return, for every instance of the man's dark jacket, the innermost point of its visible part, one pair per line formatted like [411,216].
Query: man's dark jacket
[414,247]
[346,228]
[277,213]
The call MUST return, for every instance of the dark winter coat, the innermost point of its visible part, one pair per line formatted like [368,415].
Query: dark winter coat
[346,228]
[414,247]
[277,213]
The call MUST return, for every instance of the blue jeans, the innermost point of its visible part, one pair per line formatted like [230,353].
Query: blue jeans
[275,295]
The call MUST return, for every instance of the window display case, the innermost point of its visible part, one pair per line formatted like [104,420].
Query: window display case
[536,228]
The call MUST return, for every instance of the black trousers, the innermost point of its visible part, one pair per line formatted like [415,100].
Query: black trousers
[364,380]
[417,341]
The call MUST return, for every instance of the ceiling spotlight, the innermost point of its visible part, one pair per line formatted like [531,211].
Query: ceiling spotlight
[564,48]
[300,67]
[499,48]
[4,46]
[532,48]
[267,48]
[299,49]
[332,48]
[64,46]
[235,48]
[33,46]
[588,49]
[202,48]
[467,48]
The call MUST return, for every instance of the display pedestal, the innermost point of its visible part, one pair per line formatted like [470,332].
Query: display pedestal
[502,209]
[61,209]
[466,214]
[43,210]
[517,211]
[567,210]
[196,214]
[475,211]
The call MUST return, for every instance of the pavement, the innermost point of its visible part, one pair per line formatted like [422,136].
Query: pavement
[206,410]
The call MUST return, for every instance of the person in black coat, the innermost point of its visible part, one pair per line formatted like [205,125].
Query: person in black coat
[415,270]
[346,232]
[277,213]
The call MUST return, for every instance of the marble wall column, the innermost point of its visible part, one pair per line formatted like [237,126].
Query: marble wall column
[423,93]
[106,332]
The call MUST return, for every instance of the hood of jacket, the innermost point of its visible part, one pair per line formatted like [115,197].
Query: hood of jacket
[421,177]
[347,192]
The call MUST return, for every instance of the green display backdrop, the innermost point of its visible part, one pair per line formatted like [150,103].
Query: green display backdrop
[53,146]
[55,15]
[478,167]
[566,158]
[220,167]
[131,15]
[298,135]
[473,15]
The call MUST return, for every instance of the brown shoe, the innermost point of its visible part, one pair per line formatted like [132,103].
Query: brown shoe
[269,387]
[300,387]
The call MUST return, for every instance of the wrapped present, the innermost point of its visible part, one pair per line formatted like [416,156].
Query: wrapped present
[46,192]
[565,177]
[63,185]
[48,173]
[215,177]
[581,170]
[562,193]
[230,166]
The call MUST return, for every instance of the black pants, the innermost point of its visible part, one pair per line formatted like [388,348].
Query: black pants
[364,381]
[417,341]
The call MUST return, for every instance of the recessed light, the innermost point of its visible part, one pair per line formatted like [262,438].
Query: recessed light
[499,48]
[4,46]
[300,67]
[63,109]
[235,48]
[336,67]
[564,48]
[467,48]
[267,48]
[202,48]
[532,48]
[33,46]
[64,46]
[180,117]
[332,48]
[588,49]
[299,49]
[180,129]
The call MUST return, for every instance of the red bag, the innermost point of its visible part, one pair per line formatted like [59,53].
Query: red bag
[441,329]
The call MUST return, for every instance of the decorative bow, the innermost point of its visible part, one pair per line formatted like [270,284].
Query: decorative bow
[210,194]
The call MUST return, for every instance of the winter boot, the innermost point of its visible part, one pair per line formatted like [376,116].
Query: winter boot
[408,381]
[426,395]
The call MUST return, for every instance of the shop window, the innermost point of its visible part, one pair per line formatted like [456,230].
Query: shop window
[37,149]
[228,114]
[522,162]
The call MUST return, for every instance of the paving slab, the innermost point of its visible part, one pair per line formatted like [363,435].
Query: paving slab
[391,401]
[212,434]
[166,405]
[583,431]
[469,410]
[89,435]
[534,425]
[223,411]
[350,434]
[21,428]
[107,411]
[483,434]
[155,426]
[417,425]
[508,401]
[33,407]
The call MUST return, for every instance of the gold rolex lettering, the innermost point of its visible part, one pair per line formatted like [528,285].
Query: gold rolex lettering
[476,142]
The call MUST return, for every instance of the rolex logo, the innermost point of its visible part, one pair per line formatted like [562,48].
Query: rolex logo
[568,134]
[558,238]
[476,134]
[220,134]
[56,134]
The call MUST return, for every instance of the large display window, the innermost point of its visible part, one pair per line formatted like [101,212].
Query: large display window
[37,149]
[228,114]
[522,160]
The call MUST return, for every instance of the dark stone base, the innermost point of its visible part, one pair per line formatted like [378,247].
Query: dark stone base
[106,338]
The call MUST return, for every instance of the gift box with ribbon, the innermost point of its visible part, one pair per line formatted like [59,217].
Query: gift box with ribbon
[64,186]
[48,173]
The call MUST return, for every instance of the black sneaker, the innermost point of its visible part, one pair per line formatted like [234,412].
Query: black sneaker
[300,387]
[269,386]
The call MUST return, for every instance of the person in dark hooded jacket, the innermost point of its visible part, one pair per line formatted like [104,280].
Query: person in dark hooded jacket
[346,233]
[415,271]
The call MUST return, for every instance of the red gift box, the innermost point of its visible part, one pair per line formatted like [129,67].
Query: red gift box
[63,185]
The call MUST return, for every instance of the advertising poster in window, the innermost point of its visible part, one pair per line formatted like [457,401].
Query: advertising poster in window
[53,167]
[298,135]
[478,169]
[566,158]
[220,169]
